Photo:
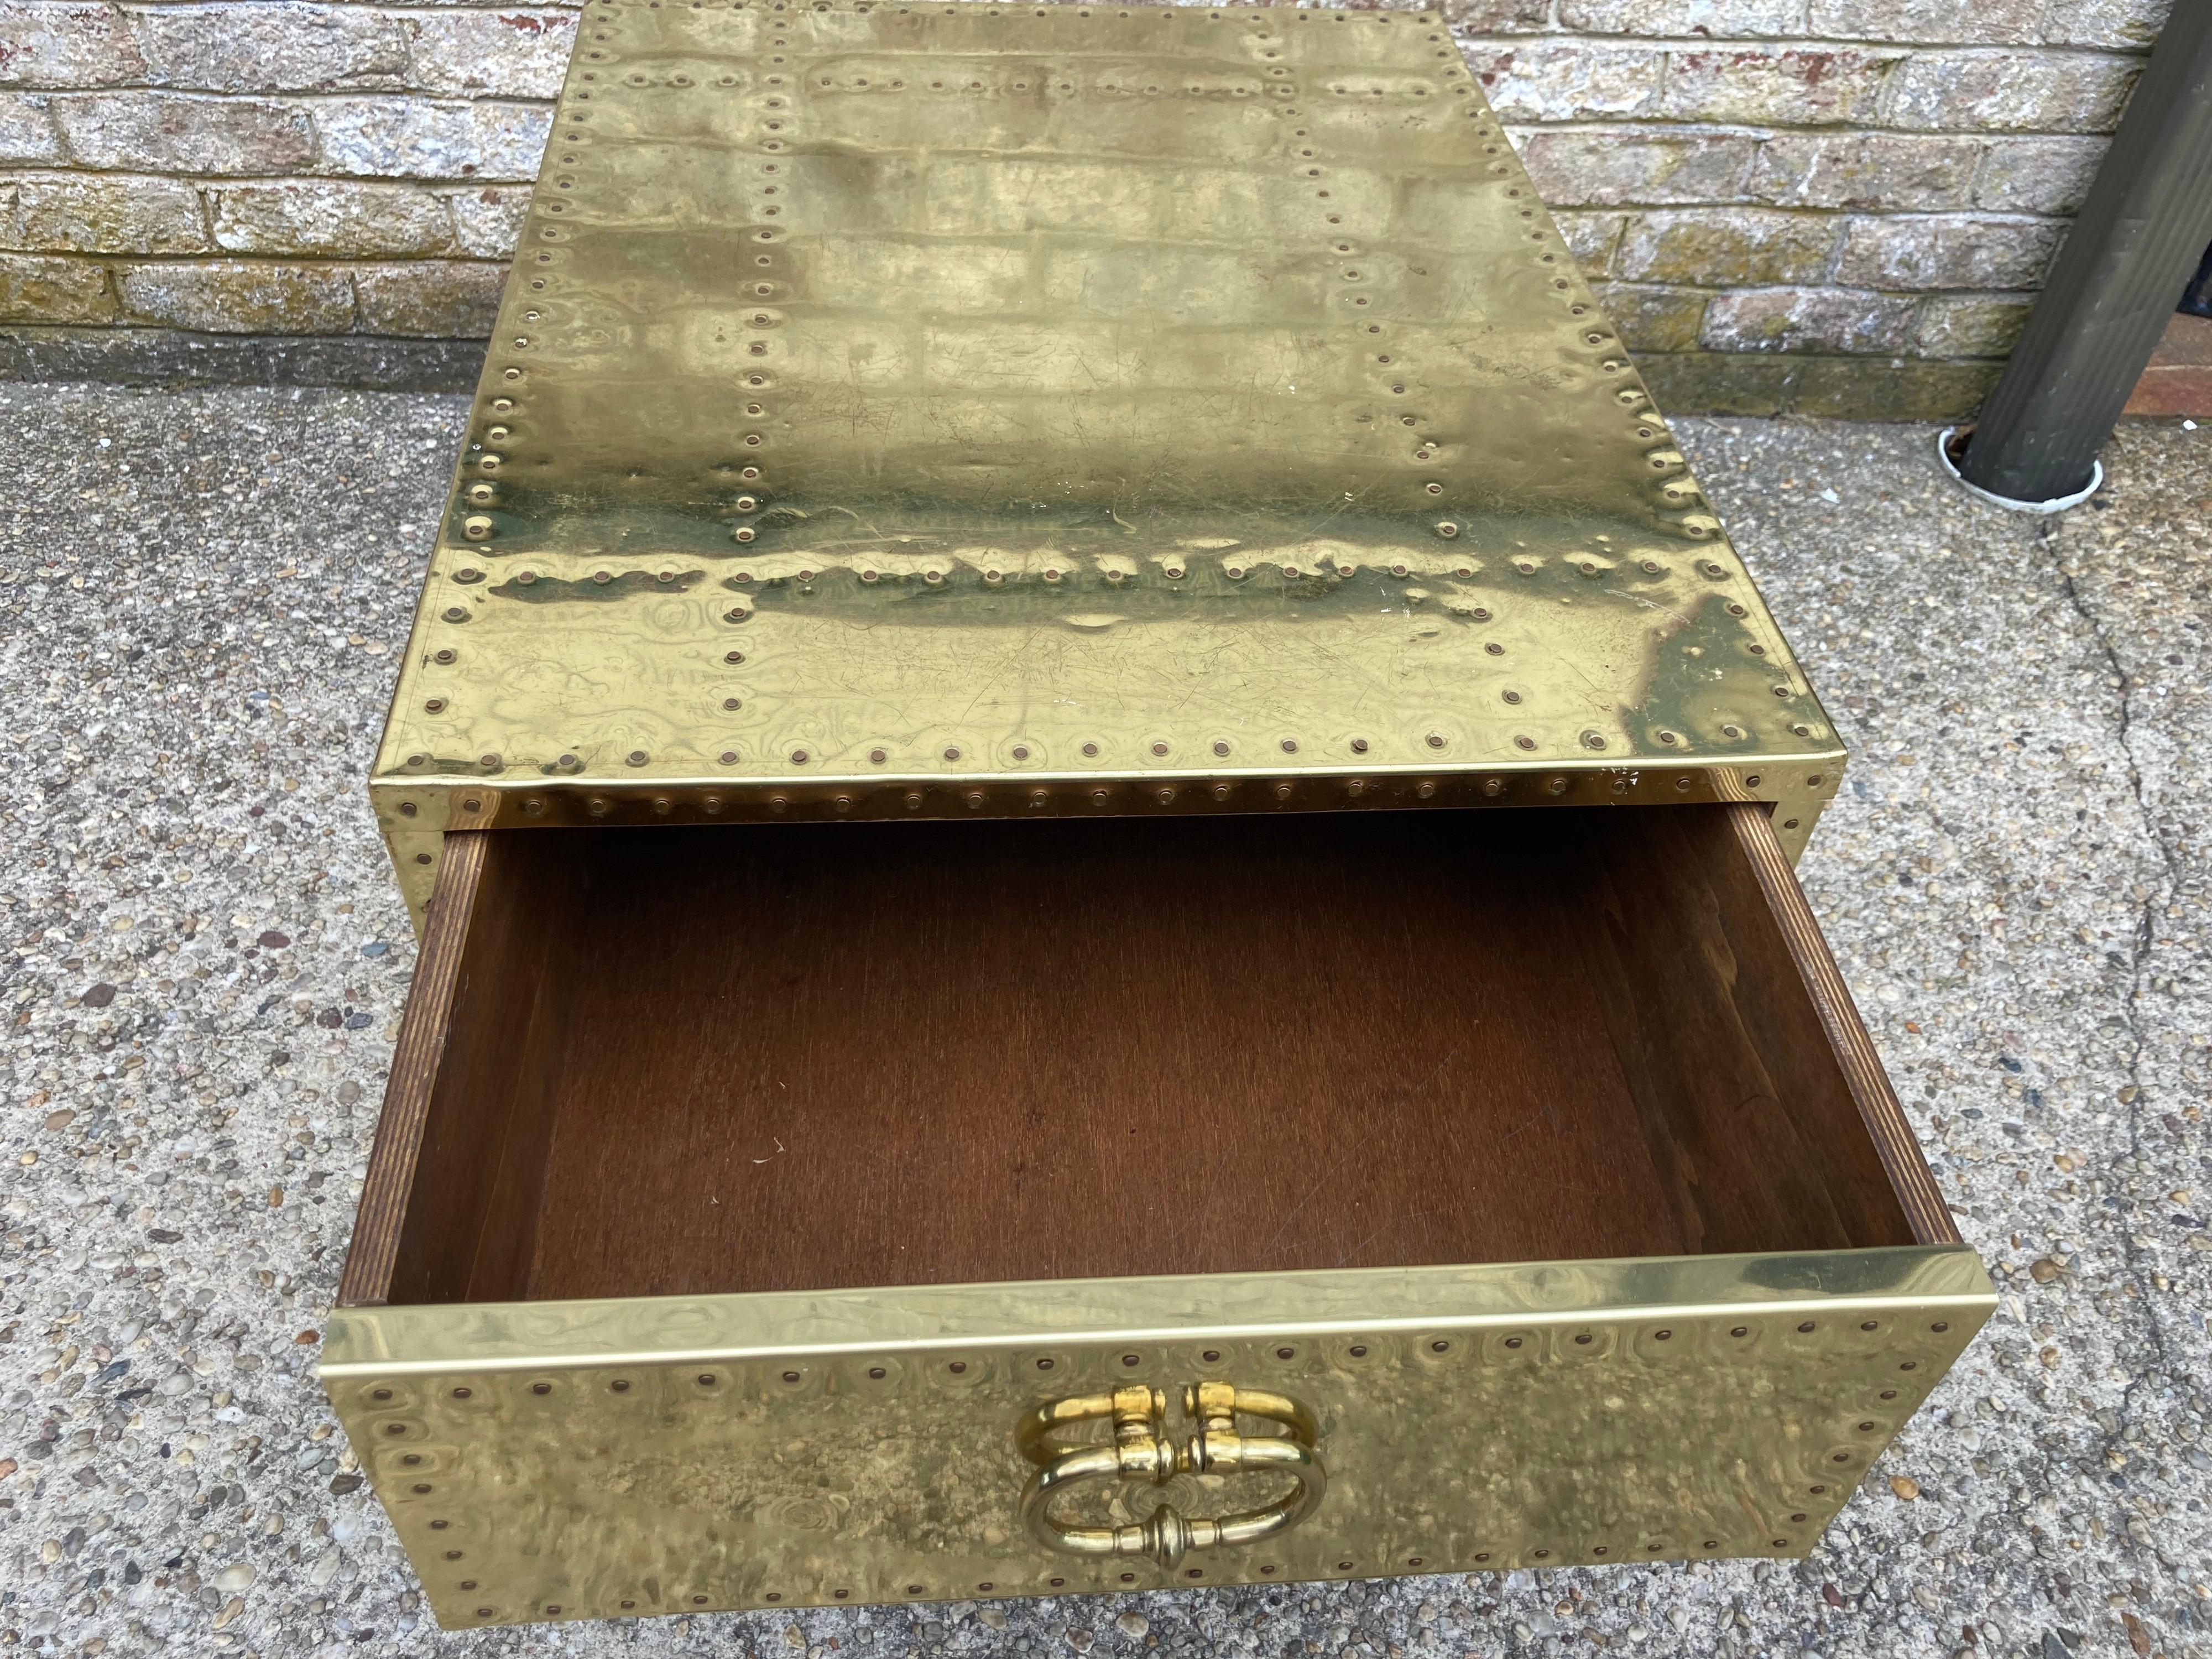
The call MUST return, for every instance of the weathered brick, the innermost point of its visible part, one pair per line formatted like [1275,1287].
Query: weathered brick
[1654,318]
[1807,320]
[270,45]
[1970,325]
[1497,16]
[1947,250]
[331,219]
[234,296]
[2010,92]
[59,42]
[1854,388]
[1952,22]
[489,222]
[181,132]
[2126,24]
[1569,81]
[1718,245]
[41,289]
[1888,171]
[1592,238]
[27,132]
[2037,175]
[108,213]
[1713,19]
[389,137]
[438,299]
[1801,86]
[1863,388]
[498,54]
[1658,169]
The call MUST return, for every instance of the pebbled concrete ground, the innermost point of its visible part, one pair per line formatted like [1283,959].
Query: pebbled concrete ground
[202,962]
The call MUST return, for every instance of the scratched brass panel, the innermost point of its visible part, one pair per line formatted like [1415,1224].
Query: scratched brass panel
[933,408]
[588,1459]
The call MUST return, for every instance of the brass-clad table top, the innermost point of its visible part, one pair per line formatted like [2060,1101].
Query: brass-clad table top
[951,409]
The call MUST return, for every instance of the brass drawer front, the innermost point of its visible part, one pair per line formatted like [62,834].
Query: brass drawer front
[584,1460]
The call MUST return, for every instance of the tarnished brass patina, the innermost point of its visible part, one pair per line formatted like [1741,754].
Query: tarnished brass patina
[1001,410]
[587,1459]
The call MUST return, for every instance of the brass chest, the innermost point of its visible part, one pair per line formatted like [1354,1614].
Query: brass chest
[978,1031]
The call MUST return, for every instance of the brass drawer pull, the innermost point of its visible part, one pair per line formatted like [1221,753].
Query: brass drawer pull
[1143,1450]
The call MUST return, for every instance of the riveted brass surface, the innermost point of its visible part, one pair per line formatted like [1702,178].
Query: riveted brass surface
[559,1459]
[961,410]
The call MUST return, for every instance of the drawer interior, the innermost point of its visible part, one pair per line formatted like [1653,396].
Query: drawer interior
[684,1060]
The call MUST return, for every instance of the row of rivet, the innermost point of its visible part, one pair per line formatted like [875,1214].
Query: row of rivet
[1259,16]
[601,807]
[709,1379]
[482,527]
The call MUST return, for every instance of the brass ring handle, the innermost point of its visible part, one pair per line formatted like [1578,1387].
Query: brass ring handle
[1143,1450]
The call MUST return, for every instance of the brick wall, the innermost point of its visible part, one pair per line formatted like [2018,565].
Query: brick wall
[1820,205]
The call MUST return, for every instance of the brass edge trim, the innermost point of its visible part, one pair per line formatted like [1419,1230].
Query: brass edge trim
[508,1336]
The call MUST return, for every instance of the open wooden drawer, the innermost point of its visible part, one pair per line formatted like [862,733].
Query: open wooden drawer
[1505,1188]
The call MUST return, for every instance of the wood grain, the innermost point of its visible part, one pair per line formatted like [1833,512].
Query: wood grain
[687,1061]
[1892,1135]
[1751,1122]
[387,1189]
[486,1133]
